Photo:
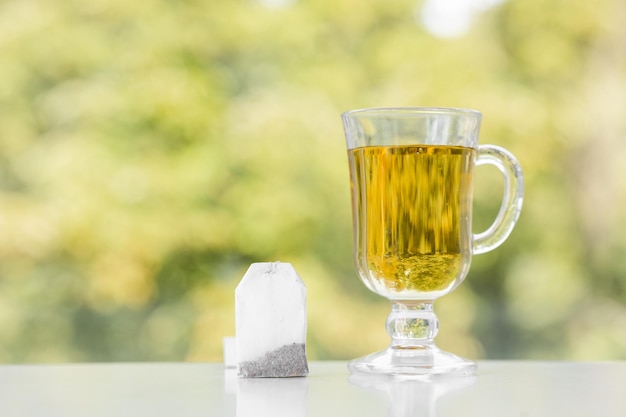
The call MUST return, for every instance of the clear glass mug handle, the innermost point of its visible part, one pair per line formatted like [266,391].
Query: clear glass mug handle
[511,206]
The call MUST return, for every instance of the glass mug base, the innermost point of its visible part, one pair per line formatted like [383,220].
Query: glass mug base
[413,361]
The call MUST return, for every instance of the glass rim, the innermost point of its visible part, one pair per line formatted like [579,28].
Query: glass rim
[415,110]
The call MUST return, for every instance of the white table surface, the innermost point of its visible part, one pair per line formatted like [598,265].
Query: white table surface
[501,388]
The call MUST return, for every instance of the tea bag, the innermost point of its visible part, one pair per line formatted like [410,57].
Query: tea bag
[270,314]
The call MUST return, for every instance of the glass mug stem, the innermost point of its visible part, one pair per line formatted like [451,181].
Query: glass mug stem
[412,325]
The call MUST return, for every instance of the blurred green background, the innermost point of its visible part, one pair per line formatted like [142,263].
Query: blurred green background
[151,150]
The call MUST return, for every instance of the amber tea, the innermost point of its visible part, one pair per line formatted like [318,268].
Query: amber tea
[413,204]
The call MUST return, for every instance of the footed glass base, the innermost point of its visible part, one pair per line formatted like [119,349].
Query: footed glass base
[416,360]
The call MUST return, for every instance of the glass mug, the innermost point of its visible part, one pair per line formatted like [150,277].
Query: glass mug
[411,177]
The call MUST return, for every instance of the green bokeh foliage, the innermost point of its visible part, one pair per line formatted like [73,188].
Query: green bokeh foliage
[150,151]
